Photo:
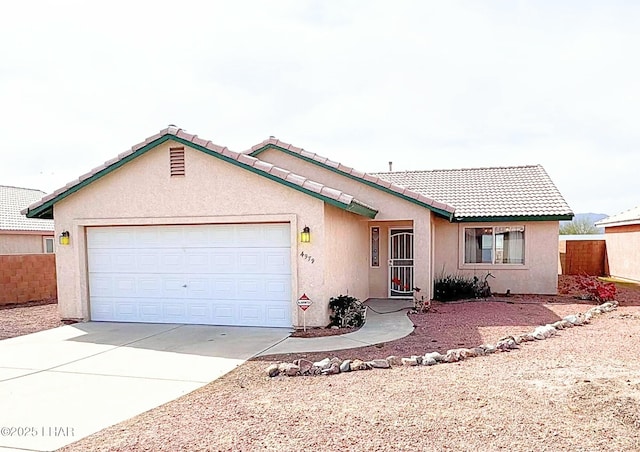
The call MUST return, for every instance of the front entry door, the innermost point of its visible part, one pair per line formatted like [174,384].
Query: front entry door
[400,262]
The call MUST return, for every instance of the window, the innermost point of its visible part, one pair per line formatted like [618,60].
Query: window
[48,244]
[375,246]
[494,245]
[176,161]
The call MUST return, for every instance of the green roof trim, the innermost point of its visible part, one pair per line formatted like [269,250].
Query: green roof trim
[441,212]
[513,218]
[46,209]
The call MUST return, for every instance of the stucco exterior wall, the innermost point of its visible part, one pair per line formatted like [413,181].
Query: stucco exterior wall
[213,191]
[623,251]
[538,275]
[346,252]
[390,207]
[25,243]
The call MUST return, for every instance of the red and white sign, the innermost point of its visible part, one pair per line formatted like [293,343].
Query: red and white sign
[304,302]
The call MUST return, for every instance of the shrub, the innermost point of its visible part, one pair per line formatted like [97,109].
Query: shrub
[454,287]
[346,311]
[596,290]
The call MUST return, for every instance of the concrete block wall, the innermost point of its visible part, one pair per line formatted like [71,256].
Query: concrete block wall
[27,277]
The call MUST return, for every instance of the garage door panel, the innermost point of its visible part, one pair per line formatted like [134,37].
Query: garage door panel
[171,261]
[222,236]
[223,313]
[250,288]
[207,274]
[148,286]
[124,286]
[198,286]
[126,309]
[224,288]
[101,285]
[250,313]
[174,311]
[147,261]
[201,312]
[172,287]
[196,236]
[277,235]
[277,261]
[101,260]
[278,315]
[148,237]
[223,261]
[102,308]
[150,311]
[277,289]
[197,261]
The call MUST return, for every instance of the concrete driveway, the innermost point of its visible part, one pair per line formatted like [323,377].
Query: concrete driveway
[60,385]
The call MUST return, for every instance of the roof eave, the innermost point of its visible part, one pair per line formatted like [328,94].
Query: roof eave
[614,224]
[360,209]
[45,211]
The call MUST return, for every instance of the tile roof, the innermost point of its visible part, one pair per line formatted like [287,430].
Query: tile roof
[631,216]
[337,197]
[516,191]
[404,191]
[12,201]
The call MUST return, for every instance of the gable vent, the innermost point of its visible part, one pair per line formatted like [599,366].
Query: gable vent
[176,161]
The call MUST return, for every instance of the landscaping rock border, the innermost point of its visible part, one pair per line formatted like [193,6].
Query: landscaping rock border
[332,366]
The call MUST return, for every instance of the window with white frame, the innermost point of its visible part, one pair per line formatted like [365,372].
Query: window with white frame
[494,245]
[48,244]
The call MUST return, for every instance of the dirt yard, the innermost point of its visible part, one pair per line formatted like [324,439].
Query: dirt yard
[579,390]
[28,318]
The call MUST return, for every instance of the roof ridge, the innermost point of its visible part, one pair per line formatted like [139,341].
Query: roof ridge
[459,169]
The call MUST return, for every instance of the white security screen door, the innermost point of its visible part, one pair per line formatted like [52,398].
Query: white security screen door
[400,262]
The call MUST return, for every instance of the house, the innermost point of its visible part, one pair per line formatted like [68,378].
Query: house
[19,234]
[622,235]
[178,229]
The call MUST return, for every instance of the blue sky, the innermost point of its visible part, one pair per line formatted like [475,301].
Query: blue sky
[425,84]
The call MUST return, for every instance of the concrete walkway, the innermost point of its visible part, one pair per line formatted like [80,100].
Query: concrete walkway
[386,321]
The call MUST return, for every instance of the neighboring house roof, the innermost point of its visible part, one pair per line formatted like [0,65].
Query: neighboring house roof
[44,207]
[490,194]
[480,194]
[369,179]
[12,201]
[631,216]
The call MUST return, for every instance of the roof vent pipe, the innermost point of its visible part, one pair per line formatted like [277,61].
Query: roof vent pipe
[390,167]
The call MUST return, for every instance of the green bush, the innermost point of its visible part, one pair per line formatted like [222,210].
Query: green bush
[347,312]
[453,287]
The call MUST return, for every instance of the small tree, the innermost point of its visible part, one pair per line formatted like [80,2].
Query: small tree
[579,226]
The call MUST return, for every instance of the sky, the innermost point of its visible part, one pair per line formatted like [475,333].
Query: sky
[425,84]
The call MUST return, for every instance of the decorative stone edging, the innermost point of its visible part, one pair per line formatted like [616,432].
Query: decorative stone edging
[332,366]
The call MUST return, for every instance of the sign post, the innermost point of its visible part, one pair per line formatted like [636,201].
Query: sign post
[304,302]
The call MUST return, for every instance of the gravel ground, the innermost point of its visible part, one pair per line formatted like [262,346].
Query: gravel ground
[28,318]
[579,390]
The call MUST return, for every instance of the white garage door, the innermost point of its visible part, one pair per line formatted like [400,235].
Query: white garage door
[201,274]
